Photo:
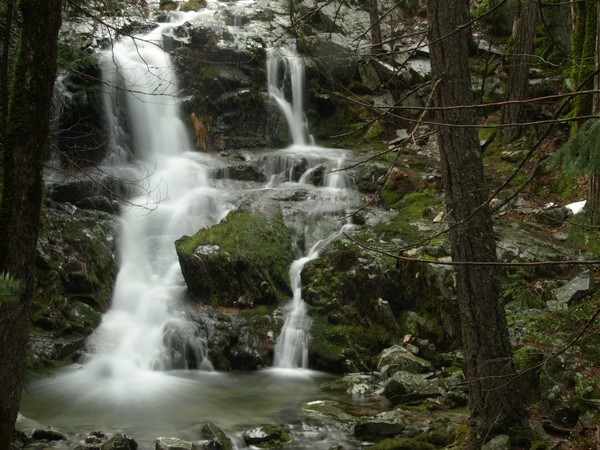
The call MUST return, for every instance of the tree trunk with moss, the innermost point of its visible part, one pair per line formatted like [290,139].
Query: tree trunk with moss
[24,153]
[518,71]
[584,56]
[7,11]
[489,367]
[592,206]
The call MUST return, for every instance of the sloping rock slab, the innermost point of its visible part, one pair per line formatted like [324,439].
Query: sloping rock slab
[406,387]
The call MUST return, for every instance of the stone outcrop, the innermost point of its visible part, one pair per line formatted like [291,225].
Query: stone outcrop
[241,262]
[75,272]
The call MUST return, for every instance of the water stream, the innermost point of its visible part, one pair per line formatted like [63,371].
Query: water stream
[132,380]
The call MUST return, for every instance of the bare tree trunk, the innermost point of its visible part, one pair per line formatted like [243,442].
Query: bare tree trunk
[518,71]
[24,153]
[489,366]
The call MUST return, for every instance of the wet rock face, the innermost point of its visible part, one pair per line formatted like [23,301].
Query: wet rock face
[225,83]
[76,269]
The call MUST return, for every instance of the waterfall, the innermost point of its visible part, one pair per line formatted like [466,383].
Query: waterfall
[285,70]
[306,164]
[142,332]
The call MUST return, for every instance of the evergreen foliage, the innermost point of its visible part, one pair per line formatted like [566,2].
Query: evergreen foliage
[581,154]
[10,287]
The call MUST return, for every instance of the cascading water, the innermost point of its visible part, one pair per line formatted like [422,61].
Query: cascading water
[126,384]
[285,69]
[142,333]
[317,168]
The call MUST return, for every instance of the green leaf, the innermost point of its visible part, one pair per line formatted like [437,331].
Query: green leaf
[10,287]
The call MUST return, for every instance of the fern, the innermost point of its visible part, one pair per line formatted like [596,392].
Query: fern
[581,154]
[10,287]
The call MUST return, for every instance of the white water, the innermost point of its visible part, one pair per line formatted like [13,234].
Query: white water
[285,73]
[127,382]
[174,197]
[285,70]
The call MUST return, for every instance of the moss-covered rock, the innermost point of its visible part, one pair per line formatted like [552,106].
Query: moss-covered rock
[243,341]
[269,436]
[218,440]
[192,5]
[75,273]
[359,302]
[241,262]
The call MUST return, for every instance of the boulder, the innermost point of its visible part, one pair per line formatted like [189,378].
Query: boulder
[400,358]
[406,387]
[48,434]
[171,443]
[326,413]
[241,262]
[269,436]
[242,341]
[580,286]
[217,439]
[380,426]
[120,442]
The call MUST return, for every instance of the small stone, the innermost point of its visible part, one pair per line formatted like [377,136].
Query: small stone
[48,434]
[170,443]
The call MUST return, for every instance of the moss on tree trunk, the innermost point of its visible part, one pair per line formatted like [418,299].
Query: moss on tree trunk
[24,153]
[584,56]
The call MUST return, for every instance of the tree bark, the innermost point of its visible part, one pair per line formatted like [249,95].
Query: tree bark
[376,41]
[24,153]
[584,56]
[518,72]
[592,205]
[6,39]
[489,366]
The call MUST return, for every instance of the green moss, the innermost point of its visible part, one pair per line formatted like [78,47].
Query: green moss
[249,260]
[583,237]
[402,443]
[218,439]
[411,207]
[192,5]
[334,344]
[245,234]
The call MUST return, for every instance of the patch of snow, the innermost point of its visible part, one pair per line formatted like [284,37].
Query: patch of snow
[576,207]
